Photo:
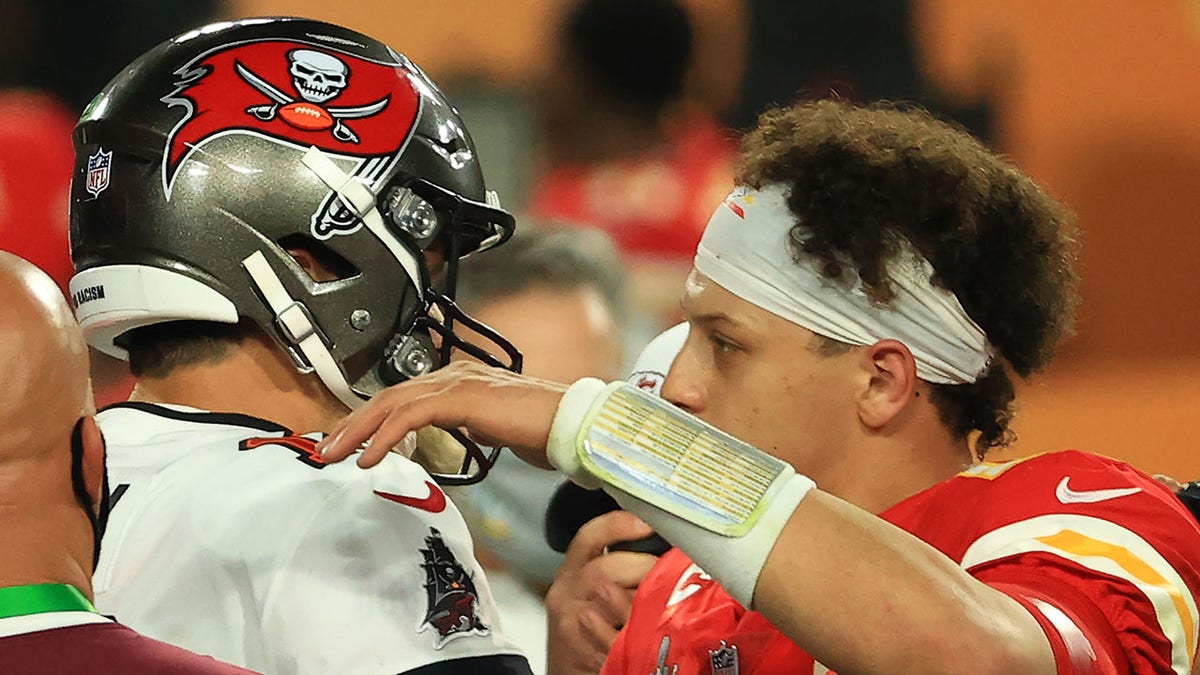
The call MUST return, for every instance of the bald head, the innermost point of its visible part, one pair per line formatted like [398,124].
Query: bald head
[44,360]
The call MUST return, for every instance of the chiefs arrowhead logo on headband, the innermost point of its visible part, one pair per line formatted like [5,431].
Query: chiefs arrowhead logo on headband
[301,95]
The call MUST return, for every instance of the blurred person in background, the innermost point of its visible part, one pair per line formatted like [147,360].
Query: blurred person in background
[856,50]
[35,180]
[54,500]
[266,218]
[43,88]
[35,148]
[623,148]
[102,35]
[559,295]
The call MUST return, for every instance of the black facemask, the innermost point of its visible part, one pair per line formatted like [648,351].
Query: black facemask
[97,513]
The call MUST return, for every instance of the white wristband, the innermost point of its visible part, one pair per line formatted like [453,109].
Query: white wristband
[572,412]
[720,500]
[735,562]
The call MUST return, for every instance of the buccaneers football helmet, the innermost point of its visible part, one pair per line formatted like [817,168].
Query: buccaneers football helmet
[208,159]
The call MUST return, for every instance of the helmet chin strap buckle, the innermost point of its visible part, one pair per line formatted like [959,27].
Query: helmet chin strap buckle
[296,324]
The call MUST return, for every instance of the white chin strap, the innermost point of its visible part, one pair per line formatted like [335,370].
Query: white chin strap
[296,324]
[747,249]
[363,203]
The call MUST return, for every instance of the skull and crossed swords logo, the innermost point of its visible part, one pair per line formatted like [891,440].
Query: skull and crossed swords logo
[318,77]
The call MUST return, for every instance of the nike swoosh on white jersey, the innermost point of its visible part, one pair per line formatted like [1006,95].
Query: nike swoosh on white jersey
[1068,496]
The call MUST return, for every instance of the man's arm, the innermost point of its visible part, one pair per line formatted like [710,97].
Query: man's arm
[859,594]
[832,556]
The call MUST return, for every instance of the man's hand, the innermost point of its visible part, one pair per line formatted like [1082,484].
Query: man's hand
[495,406]
[592,596]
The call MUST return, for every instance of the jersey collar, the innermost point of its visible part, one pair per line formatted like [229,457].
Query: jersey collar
[39,607]
[187,414]
[35,623]
[42,598]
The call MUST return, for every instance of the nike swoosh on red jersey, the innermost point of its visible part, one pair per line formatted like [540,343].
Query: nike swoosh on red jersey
[1068,496]
[434,503]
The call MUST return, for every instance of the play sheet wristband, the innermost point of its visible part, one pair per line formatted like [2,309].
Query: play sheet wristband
[620,436]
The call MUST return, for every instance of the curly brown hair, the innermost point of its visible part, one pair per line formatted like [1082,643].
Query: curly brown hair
[859,175]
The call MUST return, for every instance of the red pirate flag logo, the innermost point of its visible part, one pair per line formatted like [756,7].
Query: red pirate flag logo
[296,94]
[317,77]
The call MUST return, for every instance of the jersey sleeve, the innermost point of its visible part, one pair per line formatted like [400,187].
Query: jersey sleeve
[382,579]
[1102,557]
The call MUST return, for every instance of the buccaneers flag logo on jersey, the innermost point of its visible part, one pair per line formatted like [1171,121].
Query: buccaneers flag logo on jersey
[453,601]
[301,95]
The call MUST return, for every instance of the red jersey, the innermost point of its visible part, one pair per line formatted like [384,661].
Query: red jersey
[652,206]
[83,642]
[1104,557]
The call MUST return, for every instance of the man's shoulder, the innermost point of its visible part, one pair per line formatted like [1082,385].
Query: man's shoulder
[137,421]
[160,657]
[1068,480]
[220,471]
[1024,468]
[104,648]
[1065,503]
[144,438]
[1092,534]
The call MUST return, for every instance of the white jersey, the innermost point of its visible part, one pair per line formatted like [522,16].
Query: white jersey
[229,536]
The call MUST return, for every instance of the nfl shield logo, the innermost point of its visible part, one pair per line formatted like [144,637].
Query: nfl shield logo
[97,171]
[724,661]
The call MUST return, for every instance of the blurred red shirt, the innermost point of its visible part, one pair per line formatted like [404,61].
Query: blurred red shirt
[36,160]
[654,205]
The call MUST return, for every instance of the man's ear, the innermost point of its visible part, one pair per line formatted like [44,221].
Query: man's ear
[93,458]
[891,382]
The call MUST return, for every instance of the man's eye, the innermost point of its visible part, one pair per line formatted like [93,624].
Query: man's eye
[723,345]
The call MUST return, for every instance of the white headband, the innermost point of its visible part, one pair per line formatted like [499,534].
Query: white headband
[746,249]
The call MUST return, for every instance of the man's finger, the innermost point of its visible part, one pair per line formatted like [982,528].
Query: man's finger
[601,532]
[1170,482]
[437,408]
[614,603]
[623,568]
[377,426]
[352,431]
[599,634]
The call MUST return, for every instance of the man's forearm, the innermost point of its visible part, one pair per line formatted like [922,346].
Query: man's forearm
[856,592]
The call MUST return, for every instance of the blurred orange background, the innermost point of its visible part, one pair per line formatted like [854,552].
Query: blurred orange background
[1098,101]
